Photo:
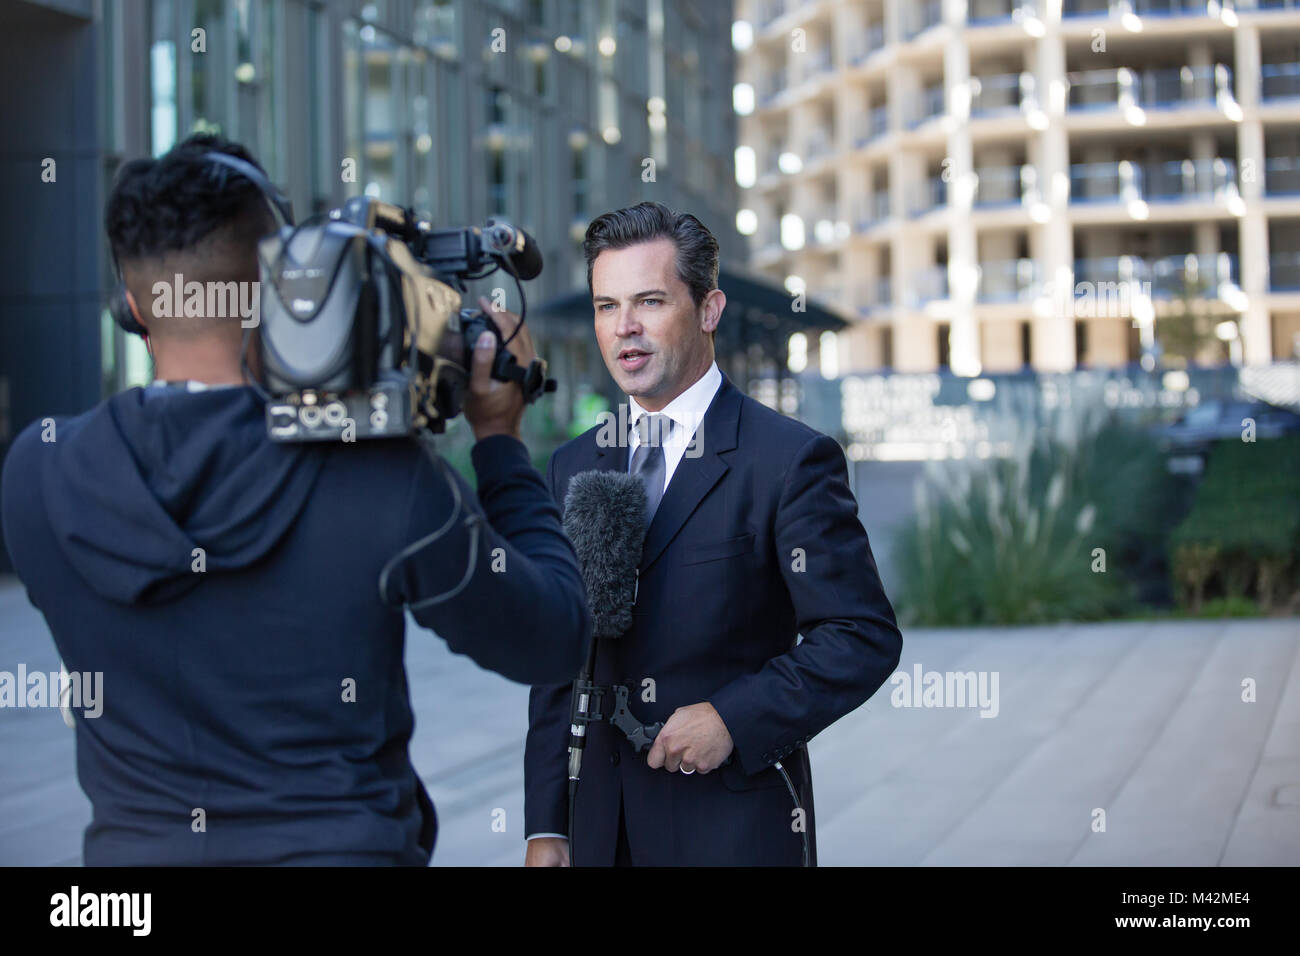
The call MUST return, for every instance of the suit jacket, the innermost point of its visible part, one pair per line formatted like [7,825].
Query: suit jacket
[755,542]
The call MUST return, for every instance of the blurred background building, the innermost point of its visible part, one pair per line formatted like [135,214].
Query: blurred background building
[541,111]
[548,112]
[996,185]
[1019,207]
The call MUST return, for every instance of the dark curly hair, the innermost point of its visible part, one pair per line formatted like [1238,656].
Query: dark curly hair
[173,203]
[697,250]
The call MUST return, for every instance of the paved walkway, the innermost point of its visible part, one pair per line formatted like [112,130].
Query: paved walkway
[1144,721]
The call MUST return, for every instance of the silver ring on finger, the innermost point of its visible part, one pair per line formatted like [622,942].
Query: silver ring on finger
[685,771]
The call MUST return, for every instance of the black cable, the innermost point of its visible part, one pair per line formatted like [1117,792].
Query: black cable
[573,797]
[807,851]
[249,380]
[473,521]
[523,302]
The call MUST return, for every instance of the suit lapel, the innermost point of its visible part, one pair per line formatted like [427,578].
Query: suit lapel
[694,477]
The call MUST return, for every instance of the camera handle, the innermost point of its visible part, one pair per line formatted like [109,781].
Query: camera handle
[505,367]
[532,380]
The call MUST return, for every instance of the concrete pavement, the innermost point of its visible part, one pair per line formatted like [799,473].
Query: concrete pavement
[1139,725]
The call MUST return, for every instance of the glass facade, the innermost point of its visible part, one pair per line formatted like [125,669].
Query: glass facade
[544,111]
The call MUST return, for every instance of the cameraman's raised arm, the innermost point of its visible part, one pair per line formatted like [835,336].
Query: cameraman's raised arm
[523,614]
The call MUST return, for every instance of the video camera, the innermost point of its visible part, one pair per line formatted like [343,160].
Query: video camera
[362,333]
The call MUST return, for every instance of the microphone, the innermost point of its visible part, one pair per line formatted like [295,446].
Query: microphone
[518,246]
[604,517]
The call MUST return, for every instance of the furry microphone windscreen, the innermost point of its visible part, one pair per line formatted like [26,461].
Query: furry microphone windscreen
[604,517]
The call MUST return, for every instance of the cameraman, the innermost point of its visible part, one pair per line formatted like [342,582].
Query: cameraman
[255,705]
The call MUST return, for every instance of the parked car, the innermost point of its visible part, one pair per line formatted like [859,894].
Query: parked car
[1188,439]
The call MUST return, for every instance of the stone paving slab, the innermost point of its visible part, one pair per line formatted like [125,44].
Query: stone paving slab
[1142,719]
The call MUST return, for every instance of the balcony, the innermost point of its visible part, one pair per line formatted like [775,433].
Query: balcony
[1143,8]
[1111,272]
[771,165]
[1284,272]
[1168,277]
[867,43]
[930,105]
[873,297]
[1279,81]
[1104,182]
[1007,280]
[1282,176]
[815,63]
[1085,8]
[826,228]
[1186,86]
[772,10]
[919,17]
[1188,180]
[1160,89]
[990,12]
[871,125]
[871,210]
[773,85]
[928,196]
[1002,93]
[818,145]
[767,241]
[1005,186]
[1193,276]
[928,285]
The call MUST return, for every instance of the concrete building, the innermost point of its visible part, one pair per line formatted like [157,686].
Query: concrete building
[990,185]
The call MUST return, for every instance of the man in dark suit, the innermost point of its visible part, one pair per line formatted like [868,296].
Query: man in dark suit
[754,539]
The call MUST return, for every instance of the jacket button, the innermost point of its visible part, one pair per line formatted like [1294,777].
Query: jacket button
[613,758]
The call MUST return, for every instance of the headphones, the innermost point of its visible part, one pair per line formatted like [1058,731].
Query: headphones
[118,304]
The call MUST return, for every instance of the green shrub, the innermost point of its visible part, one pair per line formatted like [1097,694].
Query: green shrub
[1229,607]
[1040,536]
[1242,535]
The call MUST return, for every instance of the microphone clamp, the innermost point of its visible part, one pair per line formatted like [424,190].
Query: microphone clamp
[588,708]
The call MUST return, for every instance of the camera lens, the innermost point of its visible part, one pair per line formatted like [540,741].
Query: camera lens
[310,415]
[335,413]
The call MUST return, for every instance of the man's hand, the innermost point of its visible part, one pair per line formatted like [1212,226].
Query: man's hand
[694,738]
[547,851]
[493,407]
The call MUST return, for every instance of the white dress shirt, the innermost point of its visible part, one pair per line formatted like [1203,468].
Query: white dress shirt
[687,414]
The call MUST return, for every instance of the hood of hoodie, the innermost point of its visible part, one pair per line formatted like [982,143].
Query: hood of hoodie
[138,483]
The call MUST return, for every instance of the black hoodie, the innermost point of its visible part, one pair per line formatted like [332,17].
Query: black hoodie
[255,706]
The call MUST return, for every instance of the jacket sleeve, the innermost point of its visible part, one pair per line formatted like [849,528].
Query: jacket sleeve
[851,642]
[523,612]
[546,750]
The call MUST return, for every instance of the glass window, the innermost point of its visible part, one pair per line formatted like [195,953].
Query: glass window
[450,153]
[435,27]
[372,88]
[419,88]
[162,79]
[212,72]
[325,170]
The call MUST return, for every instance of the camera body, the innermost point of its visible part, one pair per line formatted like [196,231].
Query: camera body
[362,330]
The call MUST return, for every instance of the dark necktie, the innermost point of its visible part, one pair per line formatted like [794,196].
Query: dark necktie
[648,459]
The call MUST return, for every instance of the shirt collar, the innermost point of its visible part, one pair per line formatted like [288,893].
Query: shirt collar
[689,407]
